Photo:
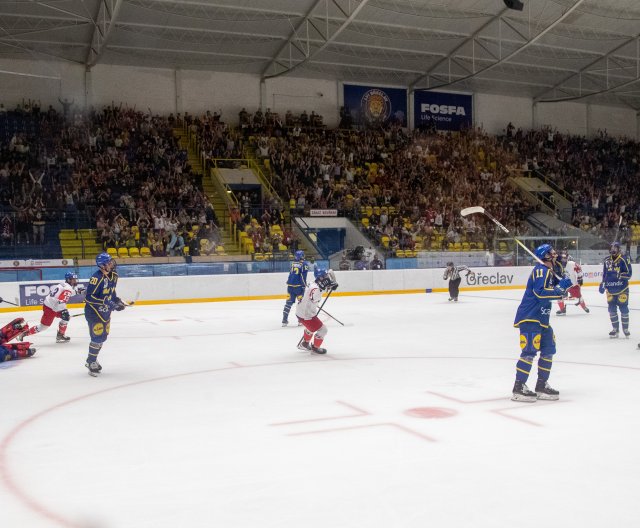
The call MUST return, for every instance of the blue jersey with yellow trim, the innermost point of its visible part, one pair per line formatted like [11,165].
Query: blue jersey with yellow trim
[535,306]
[101,294]
[298,273]
[616,273]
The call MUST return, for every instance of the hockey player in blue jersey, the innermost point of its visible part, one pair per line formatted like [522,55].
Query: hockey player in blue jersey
[532,319]
[101,300]
[296,283]
[615,282]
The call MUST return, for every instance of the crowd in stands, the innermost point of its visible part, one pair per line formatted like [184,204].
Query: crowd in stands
[125,170]
[600,174]
[121,169]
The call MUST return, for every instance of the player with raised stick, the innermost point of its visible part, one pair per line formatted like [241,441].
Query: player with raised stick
[55,306]
[616,273]
[536,334]
[100,302]
[573,270]
[309,307]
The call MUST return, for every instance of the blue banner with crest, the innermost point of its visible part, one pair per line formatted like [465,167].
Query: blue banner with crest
[373,106]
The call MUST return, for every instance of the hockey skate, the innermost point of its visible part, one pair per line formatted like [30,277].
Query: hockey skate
[585,309]
[613,334]
[562,312]
[522,393]
[545,392]
[318,350]
[20,337]
[61,338]
[304,345]
[284,323]
[626,333]
[94,368]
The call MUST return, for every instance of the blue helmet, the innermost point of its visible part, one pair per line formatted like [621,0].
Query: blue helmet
[103,259]
[544,252]
[70,275]
[299,255]
[318,273]
[614,249]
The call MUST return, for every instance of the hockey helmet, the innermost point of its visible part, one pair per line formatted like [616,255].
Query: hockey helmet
[614,249]
[545,252]
[299,255]
[323,279]
[69,276]
[449,264]
[104,259]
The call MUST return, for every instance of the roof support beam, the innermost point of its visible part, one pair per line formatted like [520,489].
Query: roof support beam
[502,60]
[103,24]
[296,44]
[587,69]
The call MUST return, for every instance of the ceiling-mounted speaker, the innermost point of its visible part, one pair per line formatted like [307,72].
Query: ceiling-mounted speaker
[514,4]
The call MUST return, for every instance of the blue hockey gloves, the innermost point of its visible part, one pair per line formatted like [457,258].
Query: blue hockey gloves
[601,287]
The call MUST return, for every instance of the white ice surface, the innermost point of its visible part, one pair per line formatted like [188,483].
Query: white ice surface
[206,415]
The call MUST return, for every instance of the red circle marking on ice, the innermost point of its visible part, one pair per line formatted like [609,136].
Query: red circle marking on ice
[430,412]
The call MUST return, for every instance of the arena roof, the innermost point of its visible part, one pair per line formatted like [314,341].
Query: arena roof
[552,50]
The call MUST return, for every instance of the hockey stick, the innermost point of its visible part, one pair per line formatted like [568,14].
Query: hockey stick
[8,302]
[615,238]
[477,209]
[126,303]
[332,317]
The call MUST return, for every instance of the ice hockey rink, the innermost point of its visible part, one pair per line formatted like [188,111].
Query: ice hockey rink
[206,415]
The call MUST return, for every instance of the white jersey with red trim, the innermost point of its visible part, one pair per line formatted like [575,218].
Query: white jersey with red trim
[308,306]
[574,271]
[59,296]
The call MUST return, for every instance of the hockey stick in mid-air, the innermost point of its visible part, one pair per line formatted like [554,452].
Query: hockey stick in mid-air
[477,209]
[615,238]
[9,302]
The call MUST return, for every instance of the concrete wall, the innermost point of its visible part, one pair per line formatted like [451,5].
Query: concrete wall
[168,90]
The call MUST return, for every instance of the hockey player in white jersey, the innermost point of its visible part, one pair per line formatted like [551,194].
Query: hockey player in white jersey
[307,311]
[55,306]
[572,270]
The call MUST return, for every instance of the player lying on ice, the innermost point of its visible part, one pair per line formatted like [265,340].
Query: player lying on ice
[12,351]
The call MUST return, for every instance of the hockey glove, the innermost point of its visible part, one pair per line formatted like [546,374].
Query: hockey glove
[601,287]
[564,283]
[118,305]
[65,316]
[580,282]
[333,286]
[80,289]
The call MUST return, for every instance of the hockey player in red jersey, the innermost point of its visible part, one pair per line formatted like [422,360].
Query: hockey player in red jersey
[573,270]
[307,311]
[11,351]
[55,306]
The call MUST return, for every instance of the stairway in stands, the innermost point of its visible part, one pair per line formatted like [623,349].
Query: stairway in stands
[80,243]
[219,204]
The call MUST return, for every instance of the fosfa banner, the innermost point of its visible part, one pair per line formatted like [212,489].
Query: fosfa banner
[444,111]
[373,106]
[33,294]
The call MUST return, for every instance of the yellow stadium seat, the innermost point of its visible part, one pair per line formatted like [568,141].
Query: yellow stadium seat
[134,252]
[123,252]
[112,251]
[258,257]
[365,222]
[145,251]
[385,241]
[220,250]
[400,253]
[185,251]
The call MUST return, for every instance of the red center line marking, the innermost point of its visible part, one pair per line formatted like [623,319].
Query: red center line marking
[352,427]
[359,412]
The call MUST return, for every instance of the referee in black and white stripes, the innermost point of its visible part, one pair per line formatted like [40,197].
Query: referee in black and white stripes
[453,274]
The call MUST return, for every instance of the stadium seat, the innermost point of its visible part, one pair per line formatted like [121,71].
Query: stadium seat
[400,253]
[123,252]
[145,251]
[220,250]
[112,251]
[134,252]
